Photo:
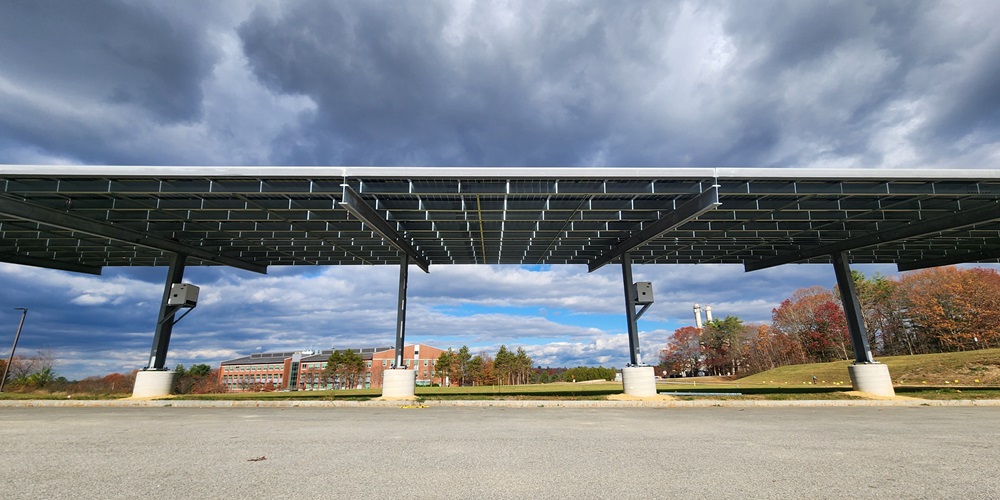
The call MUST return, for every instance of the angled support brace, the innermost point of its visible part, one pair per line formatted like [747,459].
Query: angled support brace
[852,309]
[68,222]
[171,312]
[353,203]
[165,322]
[985,213]
[638,314]
[707,200]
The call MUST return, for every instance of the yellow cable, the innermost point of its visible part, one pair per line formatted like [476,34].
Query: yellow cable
[482,236]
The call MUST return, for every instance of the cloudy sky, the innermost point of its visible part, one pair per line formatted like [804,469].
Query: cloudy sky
[468,84]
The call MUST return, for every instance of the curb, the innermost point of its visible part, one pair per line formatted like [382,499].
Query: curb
[164,403]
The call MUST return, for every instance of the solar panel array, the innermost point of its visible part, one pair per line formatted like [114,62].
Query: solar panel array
[293,216]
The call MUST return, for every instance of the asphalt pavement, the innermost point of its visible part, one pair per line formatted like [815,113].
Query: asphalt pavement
[499,452]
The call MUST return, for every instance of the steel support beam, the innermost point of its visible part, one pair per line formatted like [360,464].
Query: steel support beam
[10,359]
[950,260]
[353,203]
[404,264]
[985,213]
[75,267]
[852,309]
[635,359]
[692,209]
[68,222]
[164,321]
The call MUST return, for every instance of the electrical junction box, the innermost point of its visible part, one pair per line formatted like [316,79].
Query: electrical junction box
[183,294]
[643,293]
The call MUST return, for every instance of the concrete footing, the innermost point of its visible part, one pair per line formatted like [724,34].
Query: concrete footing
[153,383]
[872,378]
[398,383]
[639,381]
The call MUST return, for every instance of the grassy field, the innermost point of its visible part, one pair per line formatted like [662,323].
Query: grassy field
[967,369]
[960,375]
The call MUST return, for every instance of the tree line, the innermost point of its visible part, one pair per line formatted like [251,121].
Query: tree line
[504,368]
[934,310]
[35,373]
[29,373]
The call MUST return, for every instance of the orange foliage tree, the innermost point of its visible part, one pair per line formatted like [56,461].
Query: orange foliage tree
[816,318]
[683,352]
[954,309]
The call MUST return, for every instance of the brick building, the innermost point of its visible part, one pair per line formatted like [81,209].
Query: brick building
[419,357]
[303,370]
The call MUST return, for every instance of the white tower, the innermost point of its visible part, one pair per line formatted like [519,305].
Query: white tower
[697,316]
[708,313]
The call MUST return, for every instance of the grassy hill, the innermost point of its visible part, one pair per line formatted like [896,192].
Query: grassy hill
[967,369]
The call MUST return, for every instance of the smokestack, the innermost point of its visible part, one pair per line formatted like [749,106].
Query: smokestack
[708,313]
[697,316]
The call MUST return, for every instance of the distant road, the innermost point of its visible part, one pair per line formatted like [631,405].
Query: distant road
[695,453]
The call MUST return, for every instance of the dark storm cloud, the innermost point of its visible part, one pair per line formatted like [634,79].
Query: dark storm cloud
[935,60]
[412,83]
[792,83]
[65,63]
[111,51]
[973,104]
[742,84]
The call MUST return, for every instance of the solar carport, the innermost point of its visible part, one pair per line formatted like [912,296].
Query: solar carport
[82,218]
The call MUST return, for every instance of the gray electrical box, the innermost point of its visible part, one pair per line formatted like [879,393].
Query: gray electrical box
[643,293]
[183,294]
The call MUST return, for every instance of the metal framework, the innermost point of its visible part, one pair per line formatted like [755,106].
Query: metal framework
[83,218]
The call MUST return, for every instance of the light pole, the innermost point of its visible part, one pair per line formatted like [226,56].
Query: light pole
[6,368]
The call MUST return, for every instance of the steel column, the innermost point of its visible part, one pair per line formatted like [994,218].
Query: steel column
[404,264]
[852,308]
[633,330]
[164,322]
[10,360]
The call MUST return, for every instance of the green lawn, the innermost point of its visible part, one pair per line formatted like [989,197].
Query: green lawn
[960,375]
[966,369]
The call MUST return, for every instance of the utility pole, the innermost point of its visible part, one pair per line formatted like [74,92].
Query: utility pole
[6,368]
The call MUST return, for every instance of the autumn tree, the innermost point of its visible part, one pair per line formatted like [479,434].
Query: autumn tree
[185,379]
[210,383]
[816,318]
[768,348]
[113,383]
[954,309]
[683,352]
[882,308]
[481,370]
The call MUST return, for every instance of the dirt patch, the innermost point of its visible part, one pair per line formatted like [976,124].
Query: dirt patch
[626,397]
[866,395]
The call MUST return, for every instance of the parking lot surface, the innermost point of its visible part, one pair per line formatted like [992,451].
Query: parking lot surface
[500,452]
